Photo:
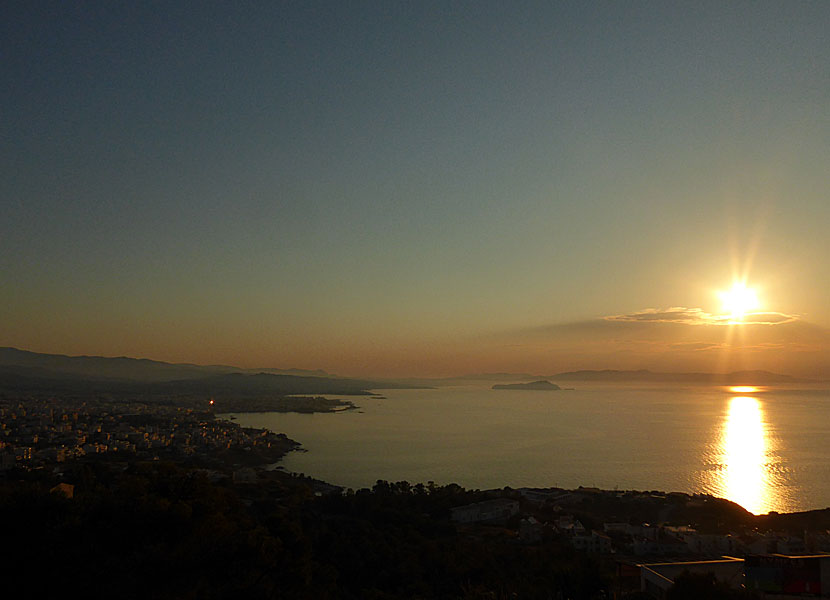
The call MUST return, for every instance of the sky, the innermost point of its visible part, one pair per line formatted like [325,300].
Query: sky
[420,188]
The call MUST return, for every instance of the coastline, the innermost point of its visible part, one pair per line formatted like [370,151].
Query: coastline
[283,404]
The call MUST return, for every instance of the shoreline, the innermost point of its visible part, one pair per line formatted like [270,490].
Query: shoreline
[283,404]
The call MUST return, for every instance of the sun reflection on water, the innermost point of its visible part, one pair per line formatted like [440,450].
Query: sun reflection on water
[745,450]
[743,389]
[745,459]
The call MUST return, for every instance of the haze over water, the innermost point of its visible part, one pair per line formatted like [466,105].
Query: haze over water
[763,448]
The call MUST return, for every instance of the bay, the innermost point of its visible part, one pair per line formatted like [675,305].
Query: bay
[766,448]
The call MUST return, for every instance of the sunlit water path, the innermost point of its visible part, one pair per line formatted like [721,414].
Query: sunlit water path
[764,448]
[744,463]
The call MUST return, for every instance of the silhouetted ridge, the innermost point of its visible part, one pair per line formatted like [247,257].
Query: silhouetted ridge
[23,370]
[541,386]
[737,377]
[265,383]
[100,367]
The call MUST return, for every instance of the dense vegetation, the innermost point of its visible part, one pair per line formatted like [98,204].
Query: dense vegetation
[153,530]
[158,530]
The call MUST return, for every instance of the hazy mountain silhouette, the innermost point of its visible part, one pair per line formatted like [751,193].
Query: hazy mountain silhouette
[265,383]
[132,369]
[24,370]
[733,378]
[610,375]
[98,367]
[539,386]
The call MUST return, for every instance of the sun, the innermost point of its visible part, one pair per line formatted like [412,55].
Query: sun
[739,300]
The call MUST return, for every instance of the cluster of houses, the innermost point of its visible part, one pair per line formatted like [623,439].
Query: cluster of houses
[40,432]
[775,565]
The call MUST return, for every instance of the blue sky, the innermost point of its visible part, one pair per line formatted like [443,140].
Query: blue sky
[373,188]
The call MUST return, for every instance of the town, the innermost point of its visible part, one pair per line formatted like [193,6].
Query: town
[43,432]
[638,542]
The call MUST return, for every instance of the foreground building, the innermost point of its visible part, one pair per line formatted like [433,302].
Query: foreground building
[772,576]
[657,578]
[780,576]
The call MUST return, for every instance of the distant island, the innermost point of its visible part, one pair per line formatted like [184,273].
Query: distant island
[543,385]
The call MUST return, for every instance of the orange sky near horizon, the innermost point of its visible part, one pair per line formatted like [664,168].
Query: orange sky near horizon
[428,189]
[675,340]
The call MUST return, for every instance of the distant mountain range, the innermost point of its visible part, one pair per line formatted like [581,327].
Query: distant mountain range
[537,386]
[133,369]
[733,378]
[644,375]
[22,370]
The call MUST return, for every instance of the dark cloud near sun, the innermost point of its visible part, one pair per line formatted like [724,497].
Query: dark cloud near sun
[675,314]
[697,316]
[674,339]
[679,329]
[666,324]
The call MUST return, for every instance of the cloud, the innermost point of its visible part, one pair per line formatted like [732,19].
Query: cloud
[676,329]
[697,316]
[769,318]
[695,346]
[670,339]
[675,314]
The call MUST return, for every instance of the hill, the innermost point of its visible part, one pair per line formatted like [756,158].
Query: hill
[541,386]
[21,370]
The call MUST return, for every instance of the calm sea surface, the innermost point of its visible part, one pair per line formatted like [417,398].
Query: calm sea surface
[766,448]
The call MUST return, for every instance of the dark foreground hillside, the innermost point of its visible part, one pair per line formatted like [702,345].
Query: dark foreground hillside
[153,530]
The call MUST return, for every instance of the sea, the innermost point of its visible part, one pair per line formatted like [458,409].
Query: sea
[766,448]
